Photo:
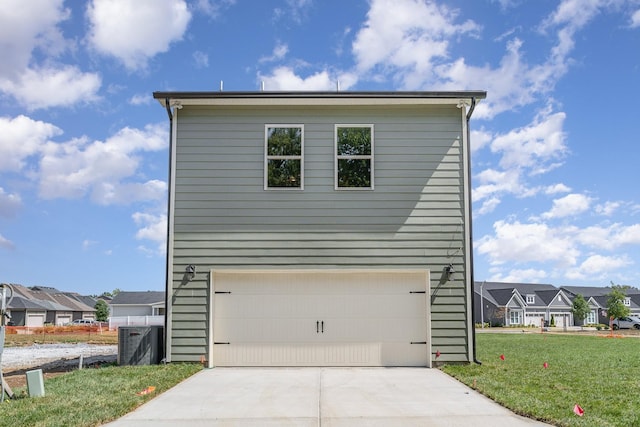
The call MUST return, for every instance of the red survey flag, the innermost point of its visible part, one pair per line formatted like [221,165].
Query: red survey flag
[545,365]
[437,353]
[578,410]
[502,357]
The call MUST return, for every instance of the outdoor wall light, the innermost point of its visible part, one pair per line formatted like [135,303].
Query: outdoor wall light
[190,272]
[449,271]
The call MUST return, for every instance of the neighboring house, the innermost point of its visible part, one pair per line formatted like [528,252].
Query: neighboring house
[24,312]
[597,299]
[145,303]
[522,304]
[319,228]
[39,305]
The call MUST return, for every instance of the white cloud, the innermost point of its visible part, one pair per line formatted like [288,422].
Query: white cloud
[133,32]
[26,26]
[556,189]
[53,87]
[10,204]
[279,52]
[201,59]
[529,275]
[32,27]
[405,38]
[608,208]
[154,228]
[480,139]
[535,146]
[107,193]
[213,8]
[87,244]
[598,264]
[522,243]
[6,243]
[494,182]
[296,9]
[608,237]
[488,206]
[570,205]
[599,267]
[102,169]
[285,78]
[20,138]
[635,19]
[141,99]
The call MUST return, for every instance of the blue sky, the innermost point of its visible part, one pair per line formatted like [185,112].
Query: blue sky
[83,146]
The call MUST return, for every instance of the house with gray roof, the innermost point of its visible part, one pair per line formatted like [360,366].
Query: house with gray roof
[597,297]
[39,305]
[138,303]
[522,304]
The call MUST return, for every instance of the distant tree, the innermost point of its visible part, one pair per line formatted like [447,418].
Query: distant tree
[102,311]
[111,294]
[615,302]
[580,308]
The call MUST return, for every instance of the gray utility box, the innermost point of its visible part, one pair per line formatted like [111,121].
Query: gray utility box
[140,345]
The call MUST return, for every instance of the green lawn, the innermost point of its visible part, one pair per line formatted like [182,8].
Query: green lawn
[600,374]
[92,397]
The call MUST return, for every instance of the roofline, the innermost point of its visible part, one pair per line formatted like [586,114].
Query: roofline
[316,97]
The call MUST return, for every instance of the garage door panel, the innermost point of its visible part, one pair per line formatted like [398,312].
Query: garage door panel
[320,318]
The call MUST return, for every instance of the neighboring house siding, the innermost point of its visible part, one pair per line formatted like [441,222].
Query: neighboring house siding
[131,310]
[223,217]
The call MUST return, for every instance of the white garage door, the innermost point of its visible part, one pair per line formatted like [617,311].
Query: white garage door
[35,320]
[320,318]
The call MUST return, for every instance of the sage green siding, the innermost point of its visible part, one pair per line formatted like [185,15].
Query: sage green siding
[223,217]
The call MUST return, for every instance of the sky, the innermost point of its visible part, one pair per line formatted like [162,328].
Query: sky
[84,147]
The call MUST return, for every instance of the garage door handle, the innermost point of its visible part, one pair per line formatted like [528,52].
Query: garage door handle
[322,326]
[317,326]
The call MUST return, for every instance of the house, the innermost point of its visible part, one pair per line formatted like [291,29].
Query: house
[597,299]
[522,304]
[39,305]
[145,303]
[319,228]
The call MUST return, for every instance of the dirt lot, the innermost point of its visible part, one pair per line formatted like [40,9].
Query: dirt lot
[53,359]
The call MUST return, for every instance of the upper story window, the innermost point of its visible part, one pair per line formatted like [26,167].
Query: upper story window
[627,301]
[531,299]
[283,160]
[354,157]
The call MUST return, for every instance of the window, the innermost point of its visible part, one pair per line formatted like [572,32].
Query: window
[283,160]
[627,302]
[591,318]
[531,299]
[515,317]
[354,157]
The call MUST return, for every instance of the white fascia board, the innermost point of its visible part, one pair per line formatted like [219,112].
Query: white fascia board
[240,102]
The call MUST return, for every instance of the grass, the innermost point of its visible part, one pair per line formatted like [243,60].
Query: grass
[600,374]
[92,397]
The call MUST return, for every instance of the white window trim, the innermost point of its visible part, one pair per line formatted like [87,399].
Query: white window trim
[518,315]
[531,299]
[627,302]
[267,157]
[336,157]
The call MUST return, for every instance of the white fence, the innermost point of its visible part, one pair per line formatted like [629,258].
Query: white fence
[117,321]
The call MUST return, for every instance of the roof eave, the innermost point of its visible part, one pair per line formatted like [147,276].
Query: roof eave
[317,98]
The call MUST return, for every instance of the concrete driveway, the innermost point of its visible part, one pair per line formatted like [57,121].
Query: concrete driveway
[321,397]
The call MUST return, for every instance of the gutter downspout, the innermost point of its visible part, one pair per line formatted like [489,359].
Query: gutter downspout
[167,104]
[473,296]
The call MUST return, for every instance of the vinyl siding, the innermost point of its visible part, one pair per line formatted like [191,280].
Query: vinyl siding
[223,217]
